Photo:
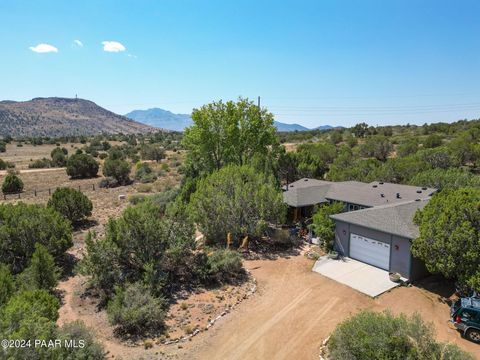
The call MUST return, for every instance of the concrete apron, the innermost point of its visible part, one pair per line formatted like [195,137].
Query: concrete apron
[362,277]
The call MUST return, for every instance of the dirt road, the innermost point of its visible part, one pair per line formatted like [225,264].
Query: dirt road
[29,171]
[296,309]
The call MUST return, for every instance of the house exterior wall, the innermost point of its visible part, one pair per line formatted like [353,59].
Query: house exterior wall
[400,256]
[401,260]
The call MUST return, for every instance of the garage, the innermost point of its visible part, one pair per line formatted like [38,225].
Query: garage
[370,251]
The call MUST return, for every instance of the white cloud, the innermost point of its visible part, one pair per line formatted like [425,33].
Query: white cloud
[132,56]
[78,43]
[43,48]
[113,46]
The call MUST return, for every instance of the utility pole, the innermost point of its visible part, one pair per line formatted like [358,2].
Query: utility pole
[259,103]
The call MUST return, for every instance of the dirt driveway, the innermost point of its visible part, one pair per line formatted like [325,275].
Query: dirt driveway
[295,309]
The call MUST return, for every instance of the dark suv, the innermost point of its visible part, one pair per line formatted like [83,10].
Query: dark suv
[465,316]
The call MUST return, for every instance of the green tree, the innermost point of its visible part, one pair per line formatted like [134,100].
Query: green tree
[323,226]
[82,166]
[12,184]
[228,133]
[22,226]
[3,165]
[7,286]
[449,241]
[117,169]
[369,335]
[237,200]
[41,273]
[377,146]
[445,178]
[407,147]
[72,204]
[360,130]
[3,146]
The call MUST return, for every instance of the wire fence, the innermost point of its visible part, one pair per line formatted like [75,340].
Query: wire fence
[32,193]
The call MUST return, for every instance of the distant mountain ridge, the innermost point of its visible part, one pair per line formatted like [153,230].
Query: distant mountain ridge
[178,122]
[62,117]
[161,118]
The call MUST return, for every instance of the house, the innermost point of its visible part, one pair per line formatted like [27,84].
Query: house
[376,226]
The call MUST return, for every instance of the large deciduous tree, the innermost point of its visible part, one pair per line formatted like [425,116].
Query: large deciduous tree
[449,241]
[228,133]
[236,200]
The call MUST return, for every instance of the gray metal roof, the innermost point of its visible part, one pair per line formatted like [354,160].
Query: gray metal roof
[311,191]
[305,192]
[394,219]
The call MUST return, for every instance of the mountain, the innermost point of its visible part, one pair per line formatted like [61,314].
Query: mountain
[289,127]
[61,117]
[178,122]
[161,118]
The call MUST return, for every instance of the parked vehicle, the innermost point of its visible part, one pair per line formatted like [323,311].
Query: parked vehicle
[465,316]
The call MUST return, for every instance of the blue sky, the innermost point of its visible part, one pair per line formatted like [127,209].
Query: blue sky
[312,62]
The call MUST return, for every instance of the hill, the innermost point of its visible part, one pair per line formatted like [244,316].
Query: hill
[61,117]
[178,122]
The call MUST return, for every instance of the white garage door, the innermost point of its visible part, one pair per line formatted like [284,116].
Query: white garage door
[370,251]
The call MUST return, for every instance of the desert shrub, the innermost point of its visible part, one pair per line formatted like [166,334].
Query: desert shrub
[102,156]
[141,243]
[108,182]
[221,265]
[12,184]
[40,164]
[72,204]
[144,188]
[432,141]
[135,311]
[22,226]
[7,286]
[59,157]
[152,152]
[118,169]
[3,165]
[445,178]
[3,146]
[145,174]
[92,350]
[82,166]
[137,199]
[41,273]
[369,335]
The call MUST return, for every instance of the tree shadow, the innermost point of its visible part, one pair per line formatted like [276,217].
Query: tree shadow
[271,250]
[85,224]
[438,285]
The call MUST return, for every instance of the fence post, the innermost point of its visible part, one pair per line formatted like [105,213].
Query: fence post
[93,187]
[49,192]
[79,188]
[35,192]
[19,195]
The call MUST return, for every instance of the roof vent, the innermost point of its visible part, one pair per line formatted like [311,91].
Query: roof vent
[382,195]
[398,196]
[424,188]
[417,199]
[305,179]
[374,186]
[419,191]
[381,182]
[291,185]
